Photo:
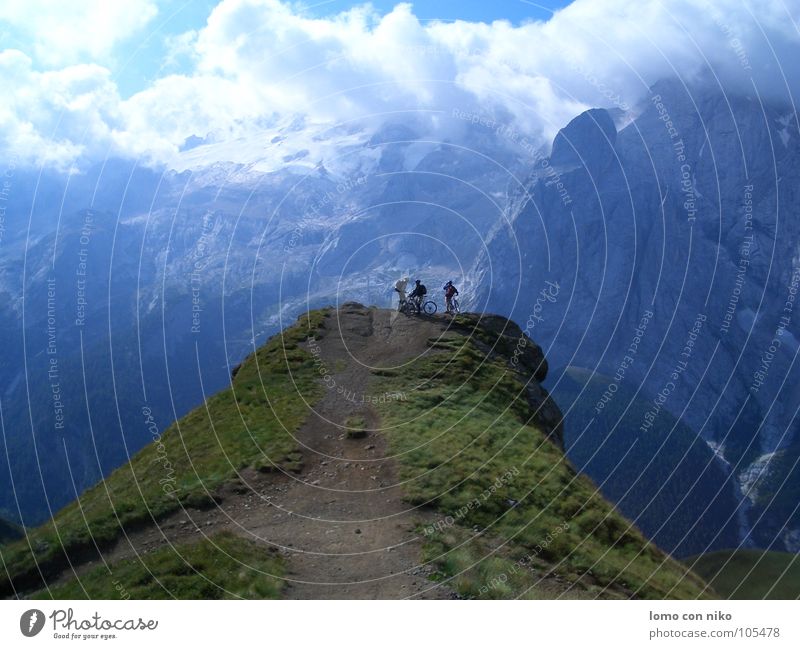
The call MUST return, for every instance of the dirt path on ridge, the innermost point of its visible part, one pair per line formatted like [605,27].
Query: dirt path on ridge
[341,523]
[358,540]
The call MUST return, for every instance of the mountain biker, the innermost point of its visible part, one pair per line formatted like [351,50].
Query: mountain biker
[418,293]
[400,287]
[450,292]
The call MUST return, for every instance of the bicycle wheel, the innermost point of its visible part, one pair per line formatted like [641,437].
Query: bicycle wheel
[455,308]
[429,307]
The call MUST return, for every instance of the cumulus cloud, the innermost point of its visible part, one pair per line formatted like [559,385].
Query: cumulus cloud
[257,59]
[56,117]
[66,32]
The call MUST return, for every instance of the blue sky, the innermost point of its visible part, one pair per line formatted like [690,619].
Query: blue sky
[140,60]
[475,10]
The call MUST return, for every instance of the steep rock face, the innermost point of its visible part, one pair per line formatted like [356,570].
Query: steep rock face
[686,221]
[587,141]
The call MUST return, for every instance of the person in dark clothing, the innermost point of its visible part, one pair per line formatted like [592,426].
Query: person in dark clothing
[450,292]
[418,294]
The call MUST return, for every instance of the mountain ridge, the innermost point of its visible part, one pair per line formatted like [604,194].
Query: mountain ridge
[357,482]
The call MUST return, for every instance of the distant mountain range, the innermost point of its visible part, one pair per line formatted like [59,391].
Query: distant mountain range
[128,290]
[129,294]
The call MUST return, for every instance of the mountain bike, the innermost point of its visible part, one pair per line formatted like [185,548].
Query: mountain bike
[453,308]
[429,307]
[409,307]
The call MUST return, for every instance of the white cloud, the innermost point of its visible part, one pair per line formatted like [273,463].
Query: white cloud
[68,32]
[56,117]
[159,119]
[256,59]
[179,47]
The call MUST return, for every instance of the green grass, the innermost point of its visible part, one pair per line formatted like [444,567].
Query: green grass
[224,566]
[495,340]
[480,571]
[466,449]
[464,437]
[250,424]
[356,427]
[750,574]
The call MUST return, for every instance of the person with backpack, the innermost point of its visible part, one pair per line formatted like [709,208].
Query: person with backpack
[450,292]
[418,294]
[400,286]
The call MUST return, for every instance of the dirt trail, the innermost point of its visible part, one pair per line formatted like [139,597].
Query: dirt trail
[341,523]
[352,532]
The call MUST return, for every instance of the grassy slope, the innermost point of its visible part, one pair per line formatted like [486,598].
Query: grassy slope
[750,574]
[249,424]
[466,404]
[459,432]
[224,566]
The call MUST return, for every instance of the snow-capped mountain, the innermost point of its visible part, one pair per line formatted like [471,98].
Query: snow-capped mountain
[148,286]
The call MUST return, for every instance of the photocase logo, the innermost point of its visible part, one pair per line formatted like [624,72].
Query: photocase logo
[31,622]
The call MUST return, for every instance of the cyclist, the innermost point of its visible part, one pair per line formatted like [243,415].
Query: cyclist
[400,287]
[417,294]
[450,292]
